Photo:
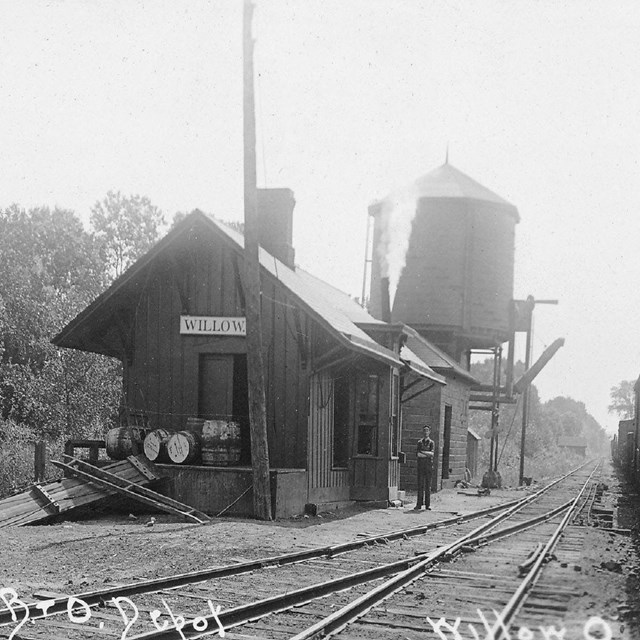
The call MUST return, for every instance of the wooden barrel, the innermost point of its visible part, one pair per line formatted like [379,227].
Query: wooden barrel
[220,443]
[195,425]
[119,442]
[183,447]
[155,445]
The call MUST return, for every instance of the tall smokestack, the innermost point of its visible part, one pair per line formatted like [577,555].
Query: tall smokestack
[385,301]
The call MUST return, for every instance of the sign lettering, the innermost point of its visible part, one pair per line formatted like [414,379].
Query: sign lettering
[212,326]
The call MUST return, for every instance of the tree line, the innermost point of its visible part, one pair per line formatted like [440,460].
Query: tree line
[52,267]
[547,423]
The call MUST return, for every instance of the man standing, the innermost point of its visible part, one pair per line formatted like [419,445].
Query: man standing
[424,456]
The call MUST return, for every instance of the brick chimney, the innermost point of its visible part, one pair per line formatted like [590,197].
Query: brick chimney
[275,215]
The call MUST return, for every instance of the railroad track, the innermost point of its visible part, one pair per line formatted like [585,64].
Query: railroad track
[478,594]
[287,587]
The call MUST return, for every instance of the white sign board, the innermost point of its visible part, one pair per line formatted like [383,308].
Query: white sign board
[213,326]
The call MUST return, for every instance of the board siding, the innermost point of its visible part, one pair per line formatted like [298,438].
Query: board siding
[162,379]
[196,275]
[325,483]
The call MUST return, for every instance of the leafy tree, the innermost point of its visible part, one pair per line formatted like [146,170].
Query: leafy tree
[52,267]
[623,399]
[125,228]
[51,270]
[44,255]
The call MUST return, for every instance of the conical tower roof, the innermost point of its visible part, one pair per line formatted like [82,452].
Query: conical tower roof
[448,182]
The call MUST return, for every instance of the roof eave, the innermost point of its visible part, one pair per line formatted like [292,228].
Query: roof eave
[373,350]
[119,283]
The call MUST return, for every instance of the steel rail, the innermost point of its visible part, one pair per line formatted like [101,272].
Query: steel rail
[251,611]
[414,567]
[517,507]
[520,526]
[517,600]
[354,610]
[587,504]
[588,501]
[97,598]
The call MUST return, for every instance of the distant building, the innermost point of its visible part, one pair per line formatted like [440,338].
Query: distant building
[573,444]
[473,441]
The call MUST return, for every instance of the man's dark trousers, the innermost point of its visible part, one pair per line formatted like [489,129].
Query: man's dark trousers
[424,482]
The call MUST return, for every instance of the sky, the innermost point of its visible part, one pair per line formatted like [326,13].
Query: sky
[538,101]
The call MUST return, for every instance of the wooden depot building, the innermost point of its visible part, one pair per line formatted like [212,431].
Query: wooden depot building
[176,321]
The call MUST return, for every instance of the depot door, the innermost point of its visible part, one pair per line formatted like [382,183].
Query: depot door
[215,398]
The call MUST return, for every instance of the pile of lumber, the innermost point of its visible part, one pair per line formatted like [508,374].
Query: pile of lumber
[125,478]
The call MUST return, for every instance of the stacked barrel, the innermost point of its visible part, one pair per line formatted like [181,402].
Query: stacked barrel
[206,442]
[123,442]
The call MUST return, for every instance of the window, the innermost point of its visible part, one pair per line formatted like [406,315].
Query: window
[368,398]
[341,389]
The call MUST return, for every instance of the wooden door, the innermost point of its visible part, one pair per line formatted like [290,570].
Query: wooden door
[215,398]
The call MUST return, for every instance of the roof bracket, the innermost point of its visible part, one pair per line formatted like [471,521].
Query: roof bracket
[417,393]
[334,363]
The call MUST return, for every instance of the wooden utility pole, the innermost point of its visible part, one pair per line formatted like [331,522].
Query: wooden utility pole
[255,365]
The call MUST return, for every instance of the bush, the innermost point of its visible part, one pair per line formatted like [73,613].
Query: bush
[17,447]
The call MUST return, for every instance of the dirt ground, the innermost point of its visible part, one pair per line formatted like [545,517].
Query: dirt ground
[82,555]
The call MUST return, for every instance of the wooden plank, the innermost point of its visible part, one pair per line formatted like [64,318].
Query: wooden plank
[144,467]
[56,487]
[58,491]
[140,494]
[49,503]
[139,489]
[69,493]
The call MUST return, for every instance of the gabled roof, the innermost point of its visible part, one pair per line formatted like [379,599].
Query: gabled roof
[571,441]
[417,365]
[308,293]
[448,182]
[338,299]
[360,316]
[434,358]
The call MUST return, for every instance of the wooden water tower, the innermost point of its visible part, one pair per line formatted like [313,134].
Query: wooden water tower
[456,287]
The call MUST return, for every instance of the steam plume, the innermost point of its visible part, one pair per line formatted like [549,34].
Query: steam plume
[396,218]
